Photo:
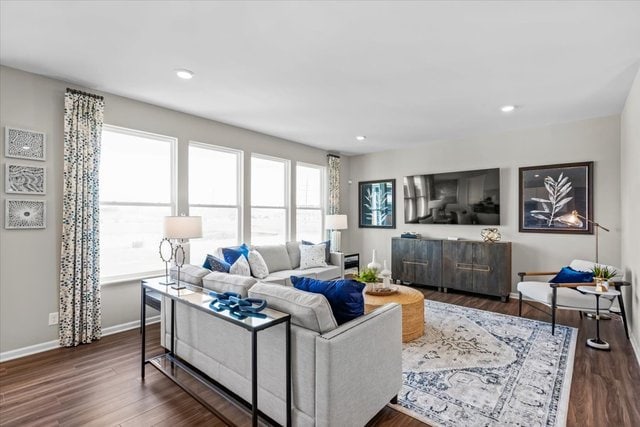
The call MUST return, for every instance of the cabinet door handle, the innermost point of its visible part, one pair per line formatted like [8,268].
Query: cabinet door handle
[483,268]
[425,263]
[464,266]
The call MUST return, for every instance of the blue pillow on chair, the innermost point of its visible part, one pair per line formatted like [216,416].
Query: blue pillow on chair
[232,254]
[344,296]
[569,275]
[327,249]
[214,263]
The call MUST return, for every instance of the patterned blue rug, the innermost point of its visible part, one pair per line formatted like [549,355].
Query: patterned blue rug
[478,368]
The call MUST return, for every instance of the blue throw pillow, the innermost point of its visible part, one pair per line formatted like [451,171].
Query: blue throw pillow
[569,275]
[232,253]
[344,296]
[327,249]
[214,263]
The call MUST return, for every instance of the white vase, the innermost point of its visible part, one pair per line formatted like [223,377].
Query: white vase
[385,270]
[374,264]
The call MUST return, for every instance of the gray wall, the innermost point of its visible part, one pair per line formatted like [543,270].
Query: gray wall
[630,197]
[595,139]
[29,258]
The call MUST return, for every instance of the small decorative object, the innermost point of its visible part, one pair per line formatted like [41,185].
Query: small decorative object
[238,307]
[335,223]
[602,274]
[374,265]
[549,193]
[376,207]
[166,255]
[181,228]
[24,179]
[21,214]
[490,235]
[24,144]
[410,235]
[386,276]
[369,276]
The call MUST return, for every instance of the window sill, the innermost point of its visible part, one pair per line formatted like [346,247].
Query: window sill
[131,278]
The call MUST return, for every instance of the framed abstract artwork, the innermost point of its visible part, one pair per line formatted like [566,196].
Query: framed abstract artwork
[20,179]
[22,214]
[376,207]
[556,198]
[24,144]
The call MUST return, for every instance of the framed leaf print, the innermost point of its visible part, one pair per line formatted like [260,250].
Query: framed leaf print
[556,198]
[376,207]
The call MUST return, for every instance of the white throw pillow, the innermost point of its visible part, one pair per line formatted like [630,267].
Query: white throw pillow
[259,268]
[312,256]
[241,267]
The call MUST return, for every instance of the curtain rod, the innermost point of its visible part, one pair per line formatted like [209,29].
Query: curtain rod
[79,92]
[333,155]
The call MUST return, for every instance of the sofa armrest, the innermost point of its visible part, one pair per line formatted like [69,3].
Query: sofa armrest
[225,282]
[189,273]
[359,367]
[337,259]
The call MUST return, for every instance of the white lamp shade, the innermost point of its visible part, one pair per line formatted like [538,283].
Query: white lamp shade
[182,227]
[335,222]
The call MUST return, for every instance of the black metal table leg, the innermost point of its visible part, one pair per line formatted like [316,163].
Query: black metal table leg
[143,326]
[173,325]
[288,356]
[254,378]
[622,312]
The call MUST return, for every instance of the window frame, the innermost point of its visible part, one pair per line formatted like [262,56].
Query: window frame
[323,196]
[173,152]
[287,193]
[240,186]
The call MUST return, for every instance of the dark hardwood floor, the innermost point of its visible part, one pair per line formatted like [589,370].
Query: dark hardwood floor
[99,384]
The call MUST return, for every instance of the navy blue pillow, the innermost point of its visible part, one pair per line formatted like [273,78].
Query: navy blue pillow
[327,249]
[214,263]
[569,275]
[344,296]
[232,254]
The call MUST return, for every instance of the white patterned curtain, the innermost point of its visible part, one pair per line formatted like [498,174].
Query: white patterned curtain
[80,311]
[334,184]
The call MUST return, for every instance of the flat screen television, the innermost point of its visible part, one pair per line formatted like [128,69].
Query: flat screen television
[468,197]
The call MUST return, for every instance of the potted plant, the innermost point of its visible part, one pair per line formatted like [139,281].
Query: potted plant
[369,276]
[602,274]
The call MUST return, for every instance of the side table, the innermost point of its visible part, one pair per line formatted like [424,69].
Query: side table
[351,260]
[596,342]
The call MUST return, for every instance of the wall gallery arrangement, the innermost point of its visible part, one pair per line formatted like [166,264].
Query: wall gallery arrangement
[552,196]
[377,204]
[25,179]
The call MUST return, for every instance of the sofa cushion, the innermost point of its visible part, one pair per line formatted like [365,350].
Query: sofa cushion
[284,277]
[321,273]
[312,256]
[232,253]
[259,268]
[327,248]
[190,274]
[293,249]
[275,256]
[241,267]
[224,282]
[344,296]
[308,310]
[214,263]
[569,275]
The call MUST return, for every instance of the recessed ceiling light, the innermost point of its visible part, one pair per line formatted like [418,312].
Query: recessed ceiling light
[361,137]
[507,108]
[184,73]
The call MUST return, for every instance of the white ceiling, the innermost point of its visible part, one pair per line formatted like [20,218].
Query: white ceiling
[320,73]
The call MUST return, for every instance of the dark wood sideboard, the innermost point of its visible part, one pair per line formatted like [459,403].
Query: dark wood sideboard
[471,266]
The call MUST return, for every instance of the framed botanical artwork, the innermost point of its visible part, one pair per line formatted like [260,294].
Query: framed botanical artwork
[24,144]
[556,198]
[20,179]
[22,213]
[376,207]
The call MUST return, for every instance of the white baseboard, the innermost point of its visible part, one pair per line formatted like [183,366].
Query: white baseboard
[50,345]
[635,346]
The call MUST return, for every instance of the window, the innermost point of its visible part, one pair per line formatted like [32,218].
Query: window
[269,200]
[137,181]
[215,194]
[309,202]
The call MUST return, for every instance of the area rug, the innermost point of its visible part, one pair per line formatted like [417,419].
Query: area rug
[478,368]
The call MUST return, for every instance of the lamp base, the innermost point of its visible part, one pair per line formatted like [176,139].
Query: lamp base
[335,240]
[179,286]
[598,344]
[167,281]
[602,316]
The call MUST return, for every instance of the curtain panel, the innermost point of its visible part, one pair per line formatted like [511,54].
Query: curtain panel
[334,184]
[80,310]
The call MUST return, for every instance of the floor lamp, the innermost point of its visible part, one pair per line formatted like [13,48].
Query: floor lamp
[574,219]
[335,223]
[181,228]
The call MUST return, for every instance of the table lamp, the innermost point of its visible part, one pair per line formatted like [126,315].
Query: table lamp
[181,228]
[574,219]
[335,223]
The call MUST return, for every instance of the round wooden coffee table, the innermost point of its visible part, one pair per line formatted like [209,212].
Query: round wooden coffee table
[412,302]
